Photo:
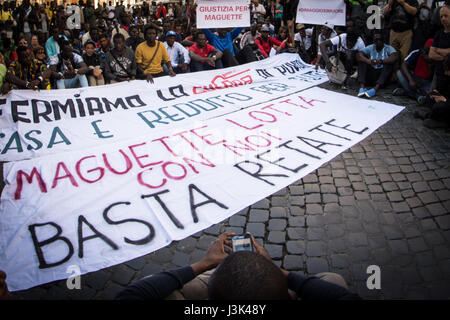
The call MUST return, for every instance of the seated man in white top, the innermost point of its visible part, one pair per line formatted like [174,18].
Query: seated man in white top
[178,54]
[327,32]
[348,45]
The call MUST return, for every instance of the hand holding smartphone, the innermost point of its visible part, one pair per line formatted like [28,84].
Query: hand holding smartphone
[242,243]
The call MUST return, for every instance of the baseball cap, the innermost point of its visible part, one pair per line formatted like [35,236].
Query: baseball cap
[171,33]
[329,25]
[265,28]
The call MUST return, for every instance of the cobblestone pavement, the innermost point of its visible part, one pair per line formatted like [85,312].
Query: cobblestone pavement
[384,202]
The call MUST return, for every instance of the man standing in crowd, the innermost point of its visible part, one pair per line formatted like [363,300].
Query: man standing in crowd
[402,14]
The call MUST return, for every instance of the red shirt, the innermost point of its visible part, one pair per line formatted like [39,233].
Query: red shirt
[202,52]
[265,46]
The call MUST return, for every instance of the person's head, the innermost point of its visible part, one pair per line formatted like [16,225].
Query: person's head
[378,40]
[66,50]
[326,30]
[352,35]
[426,50]
[445,17]
[222,32]
[200,38]
[119,42]
[23,55]
[39,53]
[170,38]
[94,33]
[283,32]
[301,29]
[150,34]
[265,32]
[23,42]
[34,40]
[179,28]
[246,275]
[104,41]
[134,32]
[89,47]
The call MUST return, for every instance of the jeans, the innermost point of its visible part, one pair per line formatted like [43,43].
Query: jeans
[423,86]
[198,66]
[79,81]
[368,75]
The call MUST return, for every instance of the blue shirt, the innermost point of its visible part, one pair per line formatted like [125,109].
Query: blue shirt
[372,53]
[222,43]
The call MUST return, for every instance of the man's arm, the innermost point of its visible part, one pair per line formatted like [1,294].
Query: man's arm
[438,54]
[392,58]
[411,10]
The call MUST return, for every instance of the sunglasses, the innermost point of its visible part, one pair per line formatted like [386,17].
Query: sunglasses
[23,42]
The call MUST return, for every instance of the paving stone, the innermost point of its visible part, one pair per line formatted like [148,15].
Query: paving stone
[417,245]
[316,265]
[237,221]
[428,197]
[293,262]
[296,211]
[333,207]
[96,280]
[441,252]
[296,221]
[311,188]
[275,251]
[296,233]
[314,209]
[278,212]
[205,241]
[297,200]
[316,249]
[136,264]
[433,238]
[256,229]
[335,231]
[430,273]
[279,201]
[315,233]
[340,261]
[357,239]
[214,230]
[262,204]
[314,221]
[332,218]
[258,215]
[399,246]
[393,232]
[400,207]
[277,237]
[443,222]
[277,224]
[436,209]
[295,247]
[313,198]
[359,254]
[180,259]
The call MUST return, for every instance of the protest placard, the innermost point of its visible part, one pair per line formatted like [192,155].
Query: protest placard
[319,12]
[223,14]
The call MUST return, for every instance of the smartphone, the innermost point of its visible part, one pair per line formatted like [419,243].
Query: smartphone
[242,243]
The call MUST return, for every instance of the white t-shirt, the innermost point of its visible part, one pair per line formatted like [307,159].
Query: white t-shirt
[260,8]
[358,46]
[306,41]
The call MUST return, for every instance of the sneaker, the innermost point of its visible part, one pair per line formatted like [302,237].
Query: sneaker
[370,93]
[398,92]
[421,100]
[362,92]
[433,124]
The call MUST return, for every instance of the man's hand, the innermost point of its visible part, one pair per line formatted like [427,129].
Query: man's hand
[34,84]
[4,292]
[150,78]
[183,67]
[211,62]
[216,253]
[97,73]
[172,73]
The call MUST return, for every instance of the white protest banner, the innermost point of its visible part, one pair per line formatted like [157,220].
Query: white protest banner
[34,124]
[111,203]
[223,14]
[319,12]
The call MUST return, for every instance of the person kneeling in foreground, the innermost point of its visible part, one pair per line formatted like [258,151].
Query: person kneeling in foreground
[242,275]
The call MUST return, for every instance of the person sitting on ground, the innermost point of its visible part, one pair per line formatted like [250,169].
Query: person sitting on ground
[150,55]
[348,45]
[249,50]
[327,32]
[203,55]
[241,275]
[223,41]
[266,43]
[92,59]
[26,72]
[375,65]
[416,74]
[439,115]
[52,44]
[70,67]
[178,54]
[120,62]
[303,42]
[134,40]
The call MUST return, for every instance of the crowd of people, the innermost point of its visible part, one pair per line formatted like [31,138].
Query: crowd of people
[50,46]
